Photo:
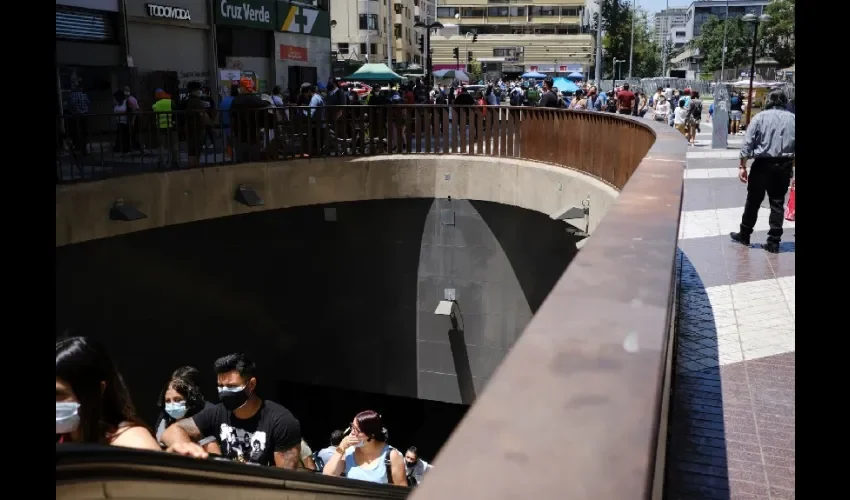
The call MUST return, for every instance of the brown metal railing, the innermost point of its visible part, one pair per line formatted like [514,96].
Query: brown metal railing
[91,147]
[575,409]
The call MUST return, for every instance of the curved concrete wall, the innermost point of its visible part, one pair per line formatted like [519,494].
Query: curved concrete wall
[303,293]
[178,197]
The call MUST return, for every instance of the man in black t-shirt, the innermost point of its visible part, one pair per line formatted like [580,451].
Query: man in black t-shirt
[549,99]
[247,428]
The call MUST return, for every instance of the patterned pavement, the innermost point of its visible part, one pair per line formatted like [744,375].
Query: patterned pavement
[732,427]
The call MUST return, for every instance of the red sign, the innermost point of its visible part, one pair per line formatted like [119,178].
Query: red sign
[293,53]
[532,68]
[562,69]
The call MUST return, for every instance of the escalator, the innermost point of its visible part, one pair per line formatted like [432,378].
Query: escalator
[101,472]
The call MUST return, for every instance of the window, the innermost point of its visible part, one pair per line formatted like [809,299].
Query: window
[498,11]
[397,31]
[447,11]
[569,12]
[415,19]
[368,21]
[472,12]
[398,7]
[373,49]
[680,34]
[342,48]
[544,11]
[84,25]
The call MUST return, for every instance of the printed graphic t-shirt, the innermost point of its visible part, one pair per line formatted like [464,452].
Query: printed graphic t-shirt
[254,440]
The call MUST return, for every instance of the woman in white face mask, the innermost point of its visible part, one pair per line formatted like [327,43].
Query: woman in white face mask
[365,455]
[181,398]
[92,402]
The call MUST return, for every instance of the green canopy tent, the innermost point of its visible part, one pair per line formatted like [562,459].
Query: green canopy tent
[374,72]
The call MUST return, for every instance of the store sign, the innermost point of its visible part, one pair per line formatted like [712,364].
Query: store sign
[293,53]
[304,20]
[168,12]
[578,68]
[257,14]
[542,68]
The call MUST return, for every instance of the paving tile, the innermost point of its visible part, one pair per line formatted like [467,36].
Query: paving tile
[734,395]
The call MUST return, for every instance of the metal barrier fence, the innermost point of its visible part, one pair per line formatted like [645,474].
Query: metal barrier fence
[649,85]
[91,147]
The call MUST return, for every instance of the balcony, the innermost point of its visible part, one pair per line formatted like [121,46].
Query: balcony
[590,372]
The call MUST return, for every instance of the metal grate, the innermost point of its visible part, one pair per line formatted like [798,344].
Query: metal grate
[80,25]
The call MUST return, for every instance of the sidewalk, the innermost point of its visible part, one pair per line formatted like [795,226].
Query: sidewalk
[732,423]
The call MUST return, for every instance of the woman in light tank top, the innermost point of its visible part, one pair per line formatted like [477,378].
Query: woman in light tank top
[365,455]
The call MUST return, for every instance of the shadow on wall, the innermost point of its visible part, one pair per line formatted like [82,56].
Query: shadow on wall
[326,297]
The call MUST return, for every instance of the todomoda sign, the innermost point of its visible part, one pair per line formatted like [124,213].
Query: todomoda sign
[168,12]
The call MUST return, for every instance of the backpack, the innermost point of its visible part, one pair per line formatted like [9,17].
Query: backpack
[696,110]
[441,99]
[389,464]
[320,464]
[533,95]
[515,98]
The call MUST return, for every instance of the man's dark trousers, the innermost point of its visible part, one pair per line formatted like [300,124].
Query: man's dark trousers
[771,176]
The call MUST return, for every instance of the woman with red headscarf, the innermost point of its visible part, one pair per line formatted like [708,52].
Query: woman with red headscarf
[365,455]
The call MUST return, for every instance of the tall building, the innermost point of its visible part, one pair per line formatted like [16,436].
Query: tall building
[665,20]
[512,37]
[362,29]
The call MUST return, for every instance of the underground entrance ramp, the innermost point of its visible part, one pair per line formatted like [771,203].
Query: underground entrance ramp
[100,472]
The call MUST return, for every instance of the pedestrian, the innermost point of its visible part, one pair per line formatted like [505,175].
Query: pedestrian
[770,141]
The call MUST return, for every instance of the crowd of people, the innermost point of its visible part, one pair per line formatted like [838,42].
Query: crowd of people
[93,405]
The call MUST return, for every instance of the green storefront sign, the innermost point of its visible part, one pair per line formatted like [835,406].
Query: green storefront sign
[293,18]
[258,14]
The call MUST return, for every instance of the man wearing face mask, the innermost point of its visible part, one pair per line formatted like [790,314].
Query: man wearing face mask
[248,429]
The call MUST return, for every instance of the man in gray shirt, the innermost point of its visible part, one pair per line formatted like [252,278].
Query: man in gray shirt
[771,141]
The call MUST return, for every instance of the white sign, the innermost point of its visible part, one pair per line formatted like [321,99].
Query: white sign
[575,68]
[244,12]
[167,12]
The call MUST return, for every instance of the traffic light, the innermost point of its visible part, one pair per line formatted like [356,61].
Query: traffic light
[474,37]
[421,44]
[456,53]
[469,56]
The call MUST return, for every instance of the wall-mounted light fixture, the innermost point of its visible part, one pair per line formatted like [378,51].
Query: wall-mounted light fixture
[573,214]
[247,196]
[124,211]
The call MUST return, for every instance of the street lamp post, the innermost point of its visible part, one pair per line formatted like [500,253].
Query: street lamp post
[755,21]
[632,44]
[723,54]
[614,72]
[598,72]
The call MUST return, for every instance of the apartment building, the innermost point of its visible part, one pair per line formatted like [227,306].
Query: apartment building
[664,21]
[512,37]
[365,30]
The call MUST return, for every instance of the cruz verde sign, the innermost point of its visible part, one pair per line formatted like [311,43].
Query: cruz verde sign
[304,20]
[258,14]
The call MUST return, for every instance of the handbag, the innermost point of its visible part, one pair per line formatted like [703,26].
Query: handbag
[791,209]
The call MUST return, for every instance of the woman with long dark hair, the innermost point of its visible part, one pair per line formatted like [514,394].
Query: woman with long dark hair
[365,455]
[92,401]
[182,398]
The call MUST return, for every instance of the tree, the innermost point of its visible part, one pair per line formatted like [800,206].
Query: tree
[739,43]
[777,35]
[475,71]
[617,24]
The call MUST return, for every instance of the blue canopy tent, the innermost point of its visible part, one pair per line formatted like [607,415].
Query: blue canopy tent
[575,76]
[564,85]
[533,74]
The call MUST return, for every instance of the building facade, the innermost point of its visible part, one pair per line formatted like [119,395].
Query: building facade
[510,38]
[273,42]
[665,20]
[365,30]
[91,50]
[700,12]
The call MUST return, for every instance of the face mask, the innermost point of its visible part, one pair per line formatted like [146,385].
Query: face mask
[233,398]
[176,410]
[126,93]
[67,417]
[410,465]
[360,444]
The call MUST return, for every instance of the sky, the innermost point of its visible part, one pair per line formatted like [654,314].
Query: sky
[653,6]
